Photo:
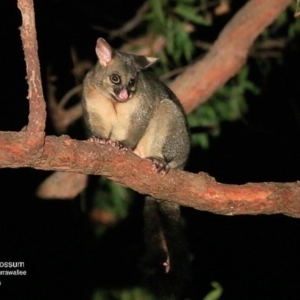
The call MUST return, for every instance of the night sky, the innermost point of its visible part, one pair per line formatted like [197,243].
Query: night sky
[252,257]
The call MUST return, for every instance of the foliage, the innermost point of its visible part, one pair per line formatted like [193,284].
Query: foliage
[216,293]
[227,104]
[140,294]
[175,20]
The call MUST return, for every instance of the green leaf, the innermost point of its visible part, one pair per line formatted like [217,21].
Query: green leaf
[189,13]
[188,48]
[158,10]
[183,45]
[201,139]
[170,37]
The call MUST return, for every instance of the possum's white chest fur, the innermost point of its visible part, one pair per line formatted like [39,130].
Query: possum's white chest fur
[108,119]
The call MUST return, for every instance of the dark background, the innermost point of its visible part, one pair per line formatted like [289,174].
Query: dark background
[252,257]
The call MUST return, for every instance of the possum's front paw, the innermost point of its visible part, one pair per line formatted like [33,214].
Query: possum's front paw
[102,141]
[159,165]
[97,140]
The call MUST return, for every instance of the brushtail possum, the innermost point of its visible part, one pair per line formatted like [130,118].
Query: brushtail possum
[125,104]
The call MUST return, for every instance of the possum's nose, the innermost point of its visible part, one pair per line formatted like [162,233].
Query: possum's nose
[123,95]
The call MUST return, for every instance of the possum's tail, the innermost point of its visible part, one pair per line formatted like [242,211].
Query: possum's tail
[166,262]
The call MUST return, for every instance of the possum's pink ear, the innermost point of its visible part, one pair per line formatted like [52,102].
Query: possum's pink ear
[104,52]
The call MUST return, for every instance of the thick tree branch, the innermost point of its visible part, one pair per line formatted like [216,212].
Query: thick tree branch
[199,191]
[228,54]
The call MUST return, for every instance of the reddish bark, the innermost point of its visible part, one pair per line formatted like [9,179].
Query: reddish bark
[199,191]
[37,106]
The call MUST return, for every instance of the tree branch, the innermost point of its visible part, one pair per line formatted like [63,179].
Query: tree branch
[37,108]
[199,191]
[228,54]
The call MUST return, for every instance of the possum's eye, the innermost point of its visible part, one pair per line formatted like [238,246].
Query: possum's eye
[115,78]
[131,83]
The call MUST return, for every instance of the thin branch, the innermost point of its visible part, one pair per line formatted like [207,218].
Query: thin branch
[131,24]
[37,108]
[172,73]
[63,117]
[128,26]
[72,92]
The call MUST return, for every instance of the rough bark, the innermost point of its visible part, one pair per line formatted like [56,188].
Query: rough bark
[37,107]
[199,191]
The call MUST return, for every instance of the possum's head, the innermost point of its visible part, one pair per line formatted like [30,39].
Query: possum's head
[117,72]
